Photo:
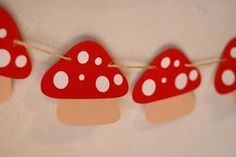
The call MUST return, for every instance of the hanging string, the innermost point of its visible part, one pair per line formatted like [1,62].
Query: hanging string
[44,50]
[132,66]
[195,64]
[206,62]
[40,49]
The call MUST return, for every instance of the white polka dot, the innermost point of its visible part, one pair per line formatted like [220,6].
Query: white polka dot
[163,80]
[102,84]
[233,52]
[5,58]
[81,77]
[148,87]
[21,61]
[193,75]
[60,80]
[3,33]
[181,81]
[98,61]
[83,57]
[176,63]
[165,62]
[118,79]
[228,77]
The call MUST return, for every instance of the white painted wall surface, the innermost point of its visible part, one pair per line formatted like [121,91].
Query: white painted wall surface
[133,31]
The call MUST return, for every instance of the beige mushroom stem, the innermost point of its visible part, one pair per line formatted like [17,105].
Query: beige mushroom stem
[6,88]
[44,50]
[169,109]
[88,112]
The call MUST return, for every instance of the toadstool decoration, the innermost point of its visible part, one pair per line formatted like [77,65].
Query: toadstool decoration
[88,90]
[225,75]
[167,89]
[14,59]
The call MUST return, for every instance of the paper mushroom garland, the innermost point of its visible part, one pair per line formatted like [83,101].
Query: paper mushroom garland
[225,75]
[166,91]
[14,59]
[88,90]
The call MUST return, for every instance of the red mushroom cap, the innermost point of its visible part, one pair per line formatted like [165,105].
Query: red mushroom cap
[14,59]
[225,81]
[86,76]
[170,78]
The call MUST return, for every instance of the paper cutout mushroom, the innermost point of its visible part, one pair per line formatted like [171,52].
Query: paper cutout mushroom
[14,59]
[88,90]
[166,91]
[225,75]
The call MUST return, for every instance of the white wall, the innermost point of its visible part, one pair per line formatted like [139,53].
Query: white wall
[133,31]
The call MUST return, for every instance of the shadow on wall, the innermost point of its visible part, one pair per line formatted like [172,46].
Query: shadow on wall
[218,108]
[45,128]
[52,132]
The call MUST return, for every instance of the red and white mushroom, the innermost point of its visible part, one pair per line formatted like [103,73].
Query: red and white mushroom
[14,59]
[166,90]
[85,85]
[225,79]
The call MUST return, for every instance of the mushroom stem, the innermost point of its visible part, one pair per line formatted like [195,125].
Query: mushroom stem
[234,95]
[6,88]
[169,109]
[41,49]
[88,111]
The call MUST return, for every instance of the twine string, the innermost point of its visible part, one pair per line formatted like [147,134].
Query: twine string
[40,49]
[204,62]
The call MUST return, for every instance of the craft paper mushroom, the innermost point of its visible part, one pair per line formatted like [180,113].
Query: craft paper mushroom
[88,90]
[14,59]
[166,91]
[225,75]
